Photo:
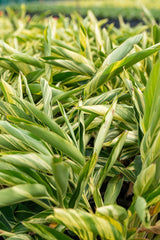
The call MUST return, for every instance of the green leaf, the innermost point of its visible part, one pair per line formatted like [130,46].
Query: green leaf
[30,160]
[27,88]
[20,237]
[66,94]
[56,141]
[126,172]
[153,197]
[40,217]
[7,48]
[104,129]
[114,211]
[33,110]
[156,37]
[34,75]
[12,177]
[8,64]
[83,179]
[47,97]
[112,158]
[123,112]
[25,137]
[97,32]
[8,91]
[151,96]
[19,88]
[138,100]
[114,69]
[13,110]
[47,50]
[150,148]
[61,175]
[121,51]
[46,232]
[86,225]
[113,189]
[67,123]
[144,180]
[47,40]
[63,44]
[8,142]
[23,192]
[23,57]
[156,34]
[70,55]
[141,209]
[137,165]
[104,97]
[73,66]
[81,130]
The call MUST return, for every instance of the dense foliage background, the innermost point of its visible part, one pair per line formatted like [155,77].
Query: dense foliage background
[79,128]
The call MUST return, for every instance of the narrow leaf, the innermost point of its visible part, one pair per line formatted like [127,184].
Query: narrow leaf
[114,69]
[87,225]
[113,189]
[47,97]
[56,141]
[141,209]
[104,129]
[21,193]
[144,180]
[113,157]
[83,179]
[122,50]
[46,232]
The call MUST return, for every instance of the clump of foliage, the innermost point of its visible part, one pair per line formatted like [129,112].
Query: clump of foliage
[79,121]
